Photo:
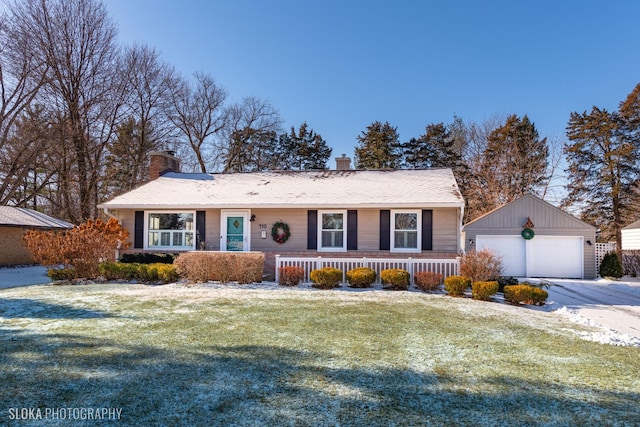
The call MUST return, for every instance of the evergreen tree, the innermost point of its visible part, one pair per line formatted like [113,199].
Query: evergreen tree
[308,150]
[379,147]
[434,149]
[603,165]
[514,163]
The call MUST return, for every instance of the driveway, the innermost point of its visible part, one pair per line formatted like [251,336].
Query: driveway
[10,277]
[612,304]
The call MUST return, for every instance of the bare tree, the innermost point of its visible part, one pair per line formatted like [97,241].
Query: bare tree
[252,133]
[22,75]
[76,40]
[197,111]
[145,128]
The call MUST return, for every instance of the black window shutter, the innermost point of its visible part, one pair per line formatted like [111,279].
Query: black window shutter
[427,230]
[138,233]
[385,230]
[201,227]
[312,229]
[352,230]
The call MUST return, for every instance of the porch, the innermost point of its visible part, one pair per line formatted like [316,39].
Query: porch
[445,266]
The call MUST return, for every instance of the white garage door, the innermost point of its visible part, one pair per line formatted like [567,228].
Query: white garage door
[542,256]
[510,248]
[555,256]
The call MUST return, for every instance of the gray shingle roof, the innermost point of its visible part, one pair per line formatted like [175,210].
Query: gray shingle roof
[22,217]
[281,189]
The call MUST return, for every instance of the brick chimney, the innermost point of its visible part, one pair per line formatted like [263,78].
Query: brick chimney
[162,162]
[343,163]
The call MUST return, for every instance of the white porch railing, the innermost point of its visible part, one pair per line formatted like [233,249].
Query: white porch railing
[446,266]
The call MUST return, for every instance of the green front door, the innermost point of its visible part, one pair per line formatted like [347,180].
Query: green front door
[235,233]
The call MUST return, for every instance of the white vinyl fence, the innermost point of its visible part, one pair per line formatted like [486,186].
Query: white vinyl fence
[601,250]
[446,266]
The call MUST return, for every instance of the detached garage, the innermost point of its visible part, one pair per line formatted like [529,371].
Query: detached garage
[535,239]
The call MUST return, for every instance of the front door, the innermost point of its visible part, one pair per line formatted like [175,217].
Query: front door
[235,231]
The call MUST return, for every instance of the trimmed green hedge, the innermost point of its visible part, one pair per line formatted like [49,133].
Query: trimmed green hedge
[395,279]
[326,278]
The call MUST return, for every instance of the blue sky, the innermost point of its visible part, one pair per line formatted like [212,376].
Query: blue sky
[340,65]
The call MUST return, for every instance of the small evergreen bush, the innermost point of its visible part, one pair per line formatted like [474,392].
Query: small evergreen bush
[361,277]
[290,276]
[456,285]
[146,258]
[484,290]
[142,272]
[396,279]
[326,278]
[611,266]
[506,281]
[525,294]
[62,274]
[427,280]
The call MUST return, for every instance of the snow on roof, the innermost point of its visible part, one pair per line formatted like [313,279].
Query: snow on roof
[286,189]
[22,217]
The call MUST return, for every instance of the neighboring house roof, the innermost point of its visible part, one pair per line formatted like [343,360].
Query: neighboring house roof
[278,189]
[22,217]
[535,204]
[633,225]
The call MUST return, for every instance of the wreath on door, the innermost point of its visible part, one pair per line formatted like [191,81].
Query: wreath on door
[280,232]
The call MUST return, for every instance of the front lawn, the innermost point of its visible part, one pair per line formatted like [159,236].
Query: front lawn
[172,355]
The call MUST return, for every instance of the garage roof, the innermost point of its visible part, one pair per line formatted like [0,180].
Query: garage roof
[21,217]
[514,214]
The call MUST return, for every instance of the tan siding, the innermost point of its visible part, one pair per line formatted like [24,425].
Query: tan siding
[212,227]
[445,223]
[11,250]
[296,219]
[445,229]
[368,229]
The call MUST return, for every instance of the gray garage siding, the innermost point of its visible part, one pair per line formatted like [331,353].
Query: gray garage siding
[548,220]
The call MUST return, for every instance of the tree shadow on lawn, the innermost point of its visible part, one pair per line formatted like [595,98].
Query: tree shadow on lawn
[264,385]
[11,308]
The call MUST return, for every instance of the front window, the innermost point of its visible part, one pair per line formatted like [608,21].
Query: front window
[171,230]
[406,237]
[333,231]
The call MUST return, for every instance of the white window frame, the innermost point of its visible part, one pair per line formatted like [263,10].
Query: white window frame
[392,227]
[147,230]
[344,231]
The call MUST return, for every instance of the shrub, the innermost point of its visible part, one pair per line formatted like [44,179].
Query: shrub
[290,276]
[484,290]
[611,266]
[525,294]
[80,249]
[481,266]
[326,277]
[427,280]
[143,272]
[506,281]
[62,274]
[146,258]
[241,267]
[456,285]
[395,278]
[118,271]
[631,263]
[361,277]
